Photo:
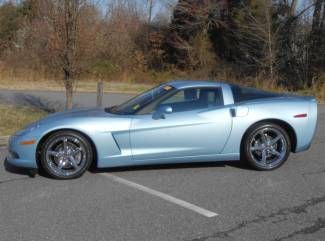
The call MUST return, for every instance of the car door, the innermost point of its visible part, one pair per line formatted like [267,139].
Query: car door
[195,127]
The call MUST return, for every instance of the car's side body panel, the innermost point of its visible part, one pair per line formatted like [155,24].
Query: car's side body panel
[211,134]
[189,133]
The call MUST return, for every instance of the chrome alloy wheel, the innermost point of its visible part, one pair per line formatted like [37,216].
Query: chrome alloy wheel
[268,148]
[66,155]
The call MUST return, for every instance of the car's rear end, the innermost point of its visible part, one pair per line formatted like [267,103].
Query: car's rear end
[300,112]
[297,114]
[310,128]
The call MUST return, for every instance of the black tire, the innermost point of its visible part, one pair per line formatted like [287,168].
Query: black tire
[255,157]
[75,140]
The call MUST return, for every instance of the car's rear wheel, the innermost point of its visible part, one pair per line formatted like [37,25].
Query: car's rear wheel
[66,155]
[266,146]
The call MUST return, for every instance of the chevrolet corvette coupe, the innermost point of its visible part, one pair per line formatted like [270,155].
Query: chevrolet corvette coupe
[176,122]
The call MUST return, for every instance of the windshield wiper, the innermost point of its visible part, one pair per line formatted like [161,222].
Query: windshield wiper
[113,110]
[110,109]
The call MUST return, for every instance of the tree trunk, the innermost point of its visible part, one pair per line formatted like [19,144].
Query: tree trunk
[69,98]
[150,2]
[317,15]
[69,58]
[270,49]
[316,43]
[68,84]
[269,41]
[323,19]
[293,8]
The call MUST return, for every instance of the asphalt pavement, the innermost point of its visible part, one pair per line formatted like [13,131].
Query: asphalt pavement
[154,203]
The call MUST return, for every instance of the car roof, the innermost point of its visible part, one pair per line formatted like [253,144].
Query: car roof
[179,84]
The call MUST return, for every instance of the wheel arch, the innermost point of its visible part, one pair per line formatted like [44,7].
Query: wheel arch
[286,126]
[45,136]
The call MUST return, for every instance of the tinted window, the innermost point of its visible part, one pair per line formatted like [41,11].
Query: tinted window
[243,94]
[196,98]
[141,101]
[181,96]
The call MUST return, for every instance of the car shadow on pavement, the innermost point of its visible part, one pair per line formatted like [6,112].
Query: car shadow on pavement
[235,164]
[19,171]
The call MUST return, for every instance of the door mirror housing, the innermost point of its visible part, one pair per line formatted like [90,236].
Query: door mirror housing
[161,111]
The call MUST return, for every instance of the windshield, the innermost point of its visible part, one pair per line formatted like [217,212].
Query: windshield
[137,103]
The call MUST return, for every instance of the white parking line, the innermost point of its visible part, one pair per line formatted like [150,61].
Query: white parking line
[161,195]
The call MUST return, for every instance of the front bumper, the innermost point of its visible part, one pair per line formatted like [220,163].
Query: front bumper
[22,155]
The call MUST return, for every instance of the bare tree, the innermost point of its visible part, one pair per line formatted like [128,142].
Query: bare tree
[69,28]
[60,19]
[69,36]
[122,28]
[257,38]
[192,20]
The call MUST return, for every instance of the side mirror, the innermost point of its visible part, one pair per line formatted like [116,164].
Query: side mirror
[161,111]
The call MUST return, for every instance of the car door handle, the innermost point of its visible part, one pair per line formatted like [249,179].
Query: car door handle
[232,112]
[239,111]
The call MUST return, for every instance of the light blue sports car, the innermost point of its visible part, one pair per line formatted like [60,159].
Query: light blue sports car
[176,122]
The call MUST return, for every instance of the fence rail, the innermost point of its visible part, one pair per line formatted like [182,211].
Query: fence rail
[4,140]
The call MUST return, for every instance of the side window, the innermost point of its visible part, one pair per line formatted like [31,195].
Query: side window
[182,96]
[178,97]
[211,96]
[195,98]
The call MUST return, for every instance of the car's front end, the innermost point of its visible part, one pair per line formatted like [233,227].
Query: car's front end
[94,123]
[22,147]
[23,144]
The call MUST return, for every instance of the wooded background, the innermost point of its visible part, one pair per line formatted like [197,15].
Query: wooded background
[264,43]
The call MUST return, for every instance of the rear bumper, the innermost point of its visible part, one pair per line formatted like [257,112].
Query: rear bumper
[302,148]
[307,132]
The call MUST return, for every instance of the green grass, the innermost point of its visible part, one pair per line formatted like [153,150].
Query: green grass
[14,118]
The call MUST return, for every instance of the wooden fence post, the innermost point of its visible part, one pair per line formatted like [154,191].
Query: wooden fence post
[100,93]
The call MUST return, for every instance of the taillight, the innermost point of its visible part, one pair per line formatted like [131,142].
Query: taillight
[300,115]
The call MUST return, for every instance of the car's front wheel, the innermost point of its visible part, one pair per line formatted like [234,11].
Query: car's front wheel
[266,146]
[66,155]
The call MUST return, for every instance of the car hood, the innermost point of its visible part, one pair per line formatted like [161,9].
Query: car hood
[76,113]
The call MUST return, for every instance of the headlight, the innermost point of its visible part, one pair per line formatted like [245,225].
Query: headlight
[32,126]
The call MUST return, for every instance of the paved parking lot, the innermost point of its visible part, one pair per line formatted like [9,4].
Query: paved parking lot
[154,203]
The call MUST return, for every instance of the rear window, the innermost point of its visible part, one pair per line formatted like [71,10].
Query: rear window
[244,94]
